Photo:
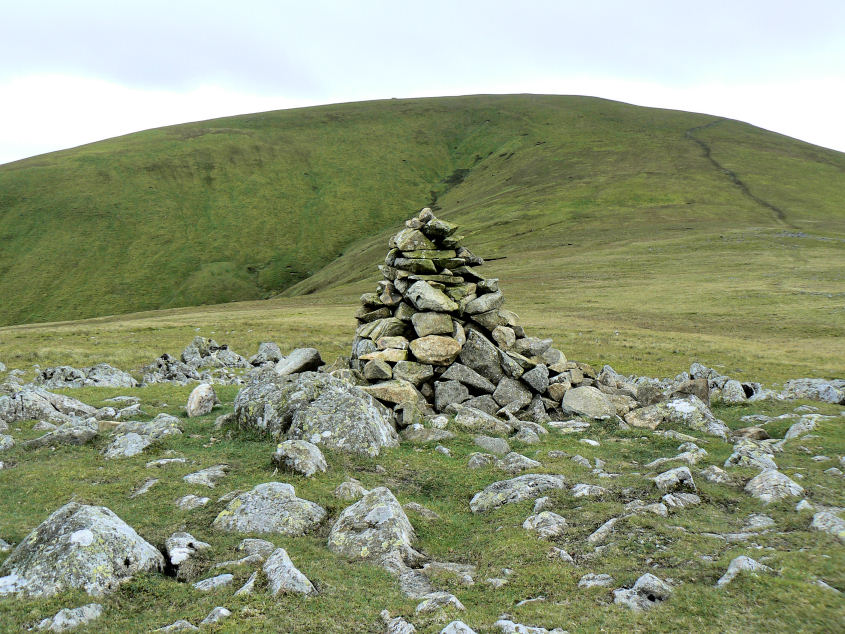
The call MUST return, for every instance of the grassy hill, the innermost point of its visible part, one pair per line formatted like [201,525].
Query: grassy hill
[245,207]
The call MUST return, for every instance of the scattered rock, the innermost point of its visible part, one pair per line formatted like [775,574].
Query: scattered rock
[589,402]
[678,479]
[208,477]
[514,490]
[201,401]
[546,524]
[271,507]
[299,456]
[213,583]
[191,501]
[828,522]
[374,528]
[71,618]
[283,577]
[100,375]
[741,564]
[591,580]
[647,592]
[217,615]
[772,485]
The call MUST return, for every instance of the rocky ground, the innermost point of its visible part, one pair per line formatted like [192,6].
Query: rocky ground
[213,521]
[453,475]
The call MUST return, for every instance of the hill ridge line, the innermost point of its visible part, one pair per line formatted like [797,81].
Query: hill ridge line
[736,180]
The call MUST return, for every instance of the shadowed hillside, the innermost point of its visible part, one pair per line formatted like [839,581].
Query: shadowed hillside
[595,205]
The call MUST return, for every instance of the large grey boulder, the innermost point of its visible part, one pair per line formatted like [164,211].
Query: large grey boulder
[285,578]
[78,547]
[771,485]
[268,352]
[167,369]
[318,408]
[374,528]
[100,375]
[589,402]
[425,297]
[271,507]
[514,490]
[39,404]
[677,479]
[647,592]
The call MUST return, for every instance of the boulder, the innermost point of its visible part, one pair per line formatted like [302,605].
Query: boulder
[733,393]
[647,592]
[201,401]
[299,456]
[39,404]
[448,392]
[514,490]
[689,411]
[283,577]
[771,485]
[271,507]
[474,420]
[832,391]
[741,564]
[166,369]
[318,408]
[300,360]
[71,618]
[469,377]
[268,352]
[512,395]
[546,524]
[78,547]
[678,479]
[828,522]
[589,402]
[374,528]
[413,372]
[432,324]
[77,432]
[515,463]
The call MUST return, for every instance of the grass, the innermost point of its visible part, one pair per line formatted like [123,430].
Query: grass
[352,595]
[244,207]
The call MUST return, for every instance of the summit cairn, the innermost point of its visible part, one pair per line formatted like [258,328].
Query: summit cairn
[435,336]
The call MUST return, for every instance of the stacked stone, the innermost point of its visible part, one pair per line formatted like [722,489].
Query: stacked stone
[435,333]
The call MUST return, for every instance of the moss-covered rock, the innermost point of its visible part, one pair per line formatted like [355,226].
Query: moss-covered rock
[78,547]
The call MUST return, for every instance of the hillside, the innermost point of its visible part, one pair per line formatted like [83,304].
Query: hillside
[597,206]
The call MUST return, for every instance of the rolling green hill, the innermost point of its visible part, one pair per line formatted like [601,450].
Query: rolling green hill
[625,209]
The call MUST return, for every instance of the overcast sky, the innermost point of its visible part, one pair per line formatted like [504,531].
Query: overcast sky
[76,71]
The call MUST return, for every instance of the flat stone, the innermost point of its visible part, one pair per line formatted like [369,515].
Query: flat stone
[435,350]
[413,372]
[514,490]
[516,463]
[592,580]
[395,391]
[498,446]
[71,618]
[208,477]
[448,392]
[213,583]
[429,323]
[484,303]
[587,401]
[469,377]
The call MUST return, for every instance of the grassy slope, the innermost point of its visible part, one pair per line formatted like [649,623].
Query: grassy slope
[235,208]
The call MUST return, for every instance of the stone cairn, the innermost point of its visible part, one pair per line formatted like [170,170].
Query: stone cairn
[435,334]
